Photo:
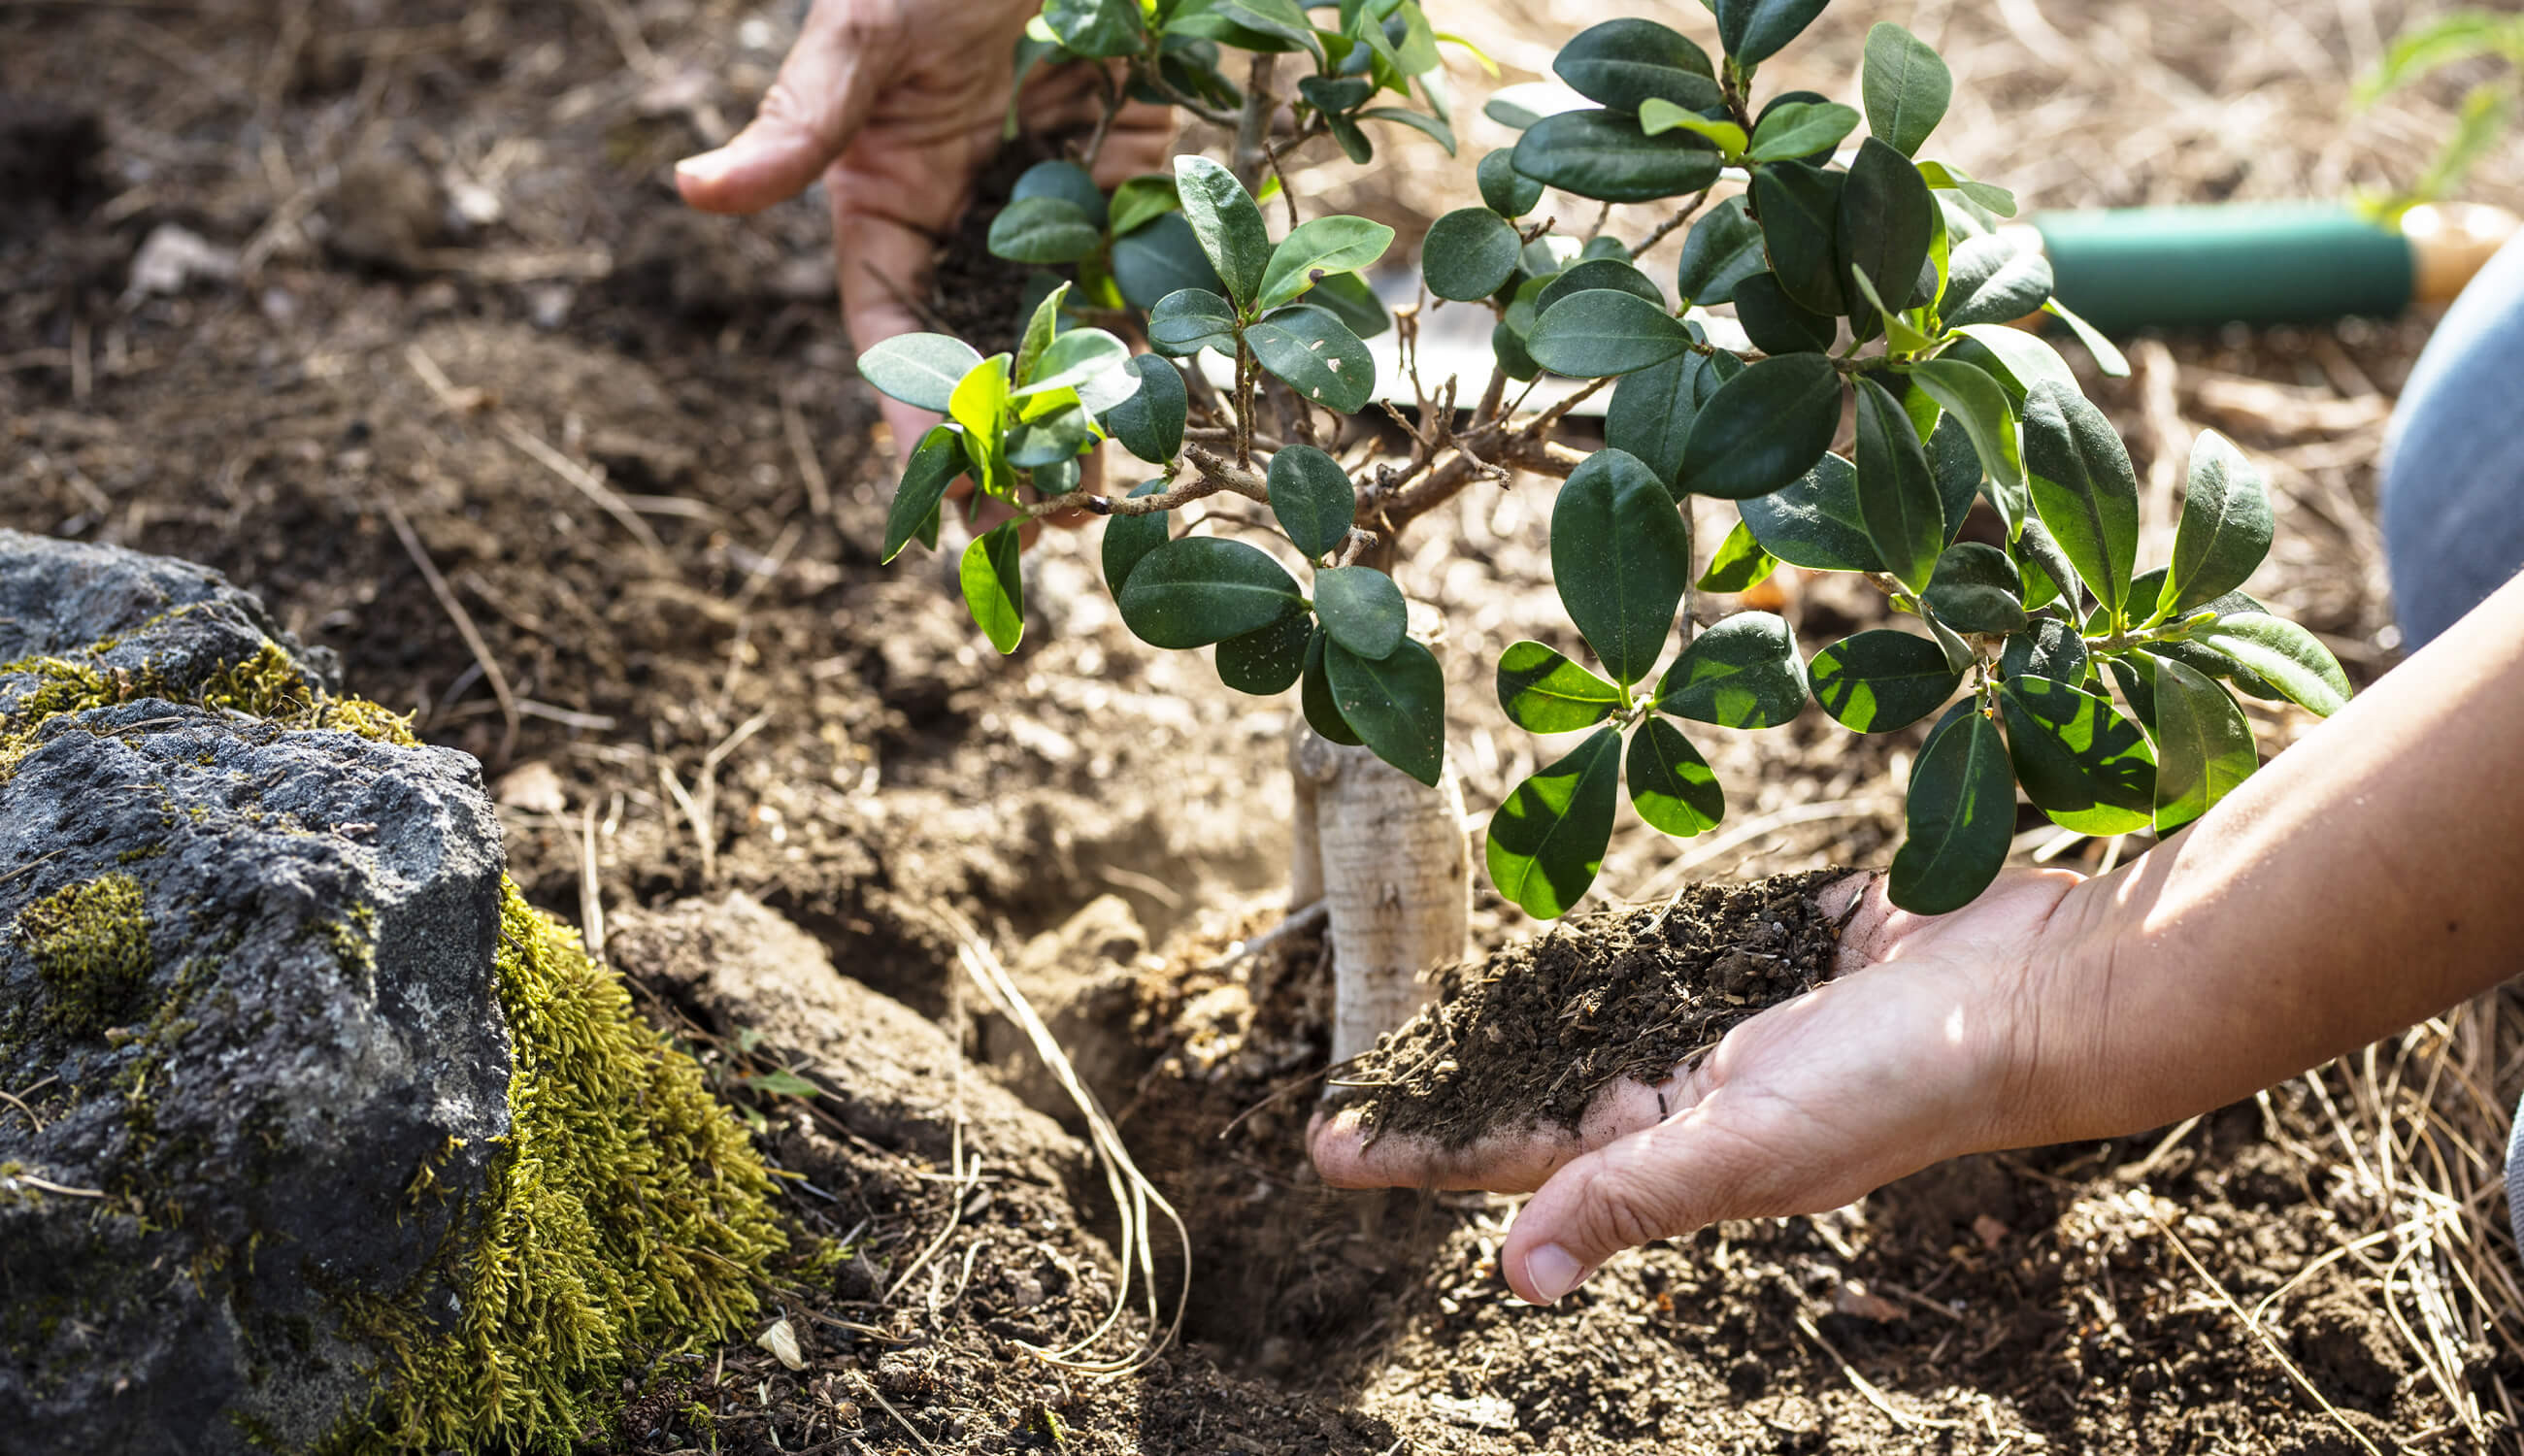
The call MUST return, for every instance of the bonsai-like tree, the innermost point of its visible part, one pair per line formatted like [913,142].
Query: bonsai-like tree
[1868,281]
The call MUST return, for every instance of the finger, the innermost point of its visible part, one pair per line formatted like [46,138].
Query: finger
[826,86]
[883,266]
[1142,140]
[1502,1161]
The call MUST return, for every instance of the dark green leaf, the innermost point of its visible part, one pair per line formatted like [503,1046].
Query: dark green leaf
[1050,438]
[1546,843]
[1777,323]
[1887,221]
[1603,154]
[1361,609]
[1143,199]
[1763,429]
[1671,785]
[1800,210]
[2203,746]
[1976,589]
[2135,676]
[934,466]
[1740,563]
[1044,229]
[1621,556]
[1945,175]
[1622,63]
[1954,463]
[921,369]
[1336,95]
[1066,180]
[1508,346]
[1159,260]
[1744,672]
[2226,525]
[1793,131]
[2083,486]
[1150,422]
[1433,127]
[1227,223]
[993,587]
[2017,358]
[2049,648]
[1267,661]
[1593,273]
[1722,250]
[1322,245]
[2080,762]
[1397,705]
[1881,680]
[1318,358]
[2048,576]
[1281,20]
[1753,30]
[1350,299]
[1129,538]
[1200,589]
[1651,414]
[1907,87]
[1190,319]
[2281,654]
[1605,331]
[1974,399]
[1507,192]
[1815,521]
[1897,494]
[2106,358]
[1994,280]
[1959,653]
[1313,498]
[1961,818]
[1316,696]
[1543,692]
[1470,253]
[1100,29]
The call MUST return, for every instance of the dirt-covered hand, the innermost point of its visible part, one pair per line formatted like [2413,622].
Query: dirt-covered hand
[898,107]
[1914,1055]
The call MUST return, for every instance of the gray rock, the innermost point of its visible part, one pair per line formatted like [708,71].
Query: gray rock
[58,598]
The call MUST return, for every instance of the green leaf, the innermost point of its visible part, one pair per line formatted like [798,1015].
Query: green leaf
[1796,129]
[1777,323]
[994,590]
[1546,843]
[1066,180]
[2027,360]
[2135,676]
[1268,661]
[1319,357]
[1351,300]
[1881,680]
[1763,429]
[1433,127]
[1897,495]
[1361,609]
[1976,589]
[1507,192]
[2203,745]
[2080,762]
[1886,221]
[1046,294]
[1591,273]
[1129,538]
[1651,414]
[1312,497]
[1325,245]
[1954,463]
[1190,319]
[1604,156]
[1671,785]
[1142,200]
[1605,331]
[1874,317]
[1722,250]
[1621,556]
[2049,648]
[1753,30]
[1335,96]
[1974,399]
[1088,360]
[1150,422]
[1961,818]
[1625,64]
[2226,525]
[1994,280]
[1100,29]
[1657,117]
[934,466]
[1281,20]
[1800,210]
[1744,672]
[1945,177]
[1544,691]
[919,369]
[1959,653]
[979,403]
[1044,229]
[1907,87]
[1199,590]
[1162,258]
[1740,563]
[1470,253]
[2083,486]
[1815,522]
[2281,654]
[1228,224]
[1397,705]
[1047,439]
[783,1084]
[1315,695]
[2106,358]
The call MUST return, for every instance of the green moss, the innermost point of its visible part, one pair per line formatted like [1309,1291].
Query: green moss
[90,945]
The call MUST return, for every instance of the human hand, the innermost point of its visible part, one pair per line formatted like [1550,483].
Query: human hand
[1918,1051]
[898,107]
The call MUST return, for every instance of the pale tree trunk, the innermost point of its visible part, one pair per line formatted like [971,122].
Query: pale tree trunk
[1386,854]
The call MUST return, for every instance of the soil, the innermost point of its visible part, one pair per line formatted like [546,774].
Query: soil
[1532,1034]
[469,325]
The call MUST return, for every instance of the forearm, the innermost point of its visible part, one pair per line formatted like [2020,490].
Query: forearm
[2365,879]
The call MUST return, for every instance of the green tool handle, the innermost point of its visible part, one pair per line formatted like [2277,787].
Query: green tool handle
[2248,263]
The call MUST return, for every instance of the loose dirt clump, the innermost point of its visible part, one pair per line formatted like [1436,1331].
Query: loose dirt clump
[1532,1034]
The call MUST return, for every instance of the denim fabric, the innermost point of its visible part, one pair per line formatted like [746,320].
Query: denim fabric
[2453,457]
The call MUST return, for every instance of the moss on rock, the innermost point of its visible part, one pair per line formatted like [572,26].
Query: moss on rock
[90,945]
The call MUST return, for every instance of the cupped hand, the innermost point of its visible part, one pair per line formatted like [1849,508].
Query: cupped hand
[898,107]
[1918,1051]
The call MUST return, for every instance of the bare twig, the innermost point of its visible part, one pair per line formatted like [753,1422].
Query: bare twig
[819,491]
[463,620]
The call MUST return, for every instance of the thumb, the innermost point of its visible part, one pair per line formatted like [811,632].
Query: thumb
[1678,1176]
[827,86]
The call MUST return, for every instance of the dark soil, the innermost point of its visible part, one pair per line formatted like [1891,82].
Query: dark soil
[973,295]
[1532,1034]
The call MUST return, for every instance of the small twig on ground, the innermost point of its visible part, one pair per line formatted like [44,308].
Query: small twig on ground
[591,898]
[463,620]
[1867,1387]
[576,475]
[1299,922]
[819,491]
[702,837]
[22,1107]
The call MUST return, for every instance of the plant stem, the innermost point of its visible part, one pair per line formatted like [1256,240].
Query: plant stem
[1666,228]
[1254,124]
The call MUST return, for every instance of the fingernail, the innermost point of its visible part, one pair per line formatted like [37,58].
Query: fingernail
[706,169]
[1553,1271]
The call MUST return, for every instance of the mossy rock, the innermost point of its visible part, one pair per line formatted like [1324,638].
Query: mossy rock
[343,1146]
